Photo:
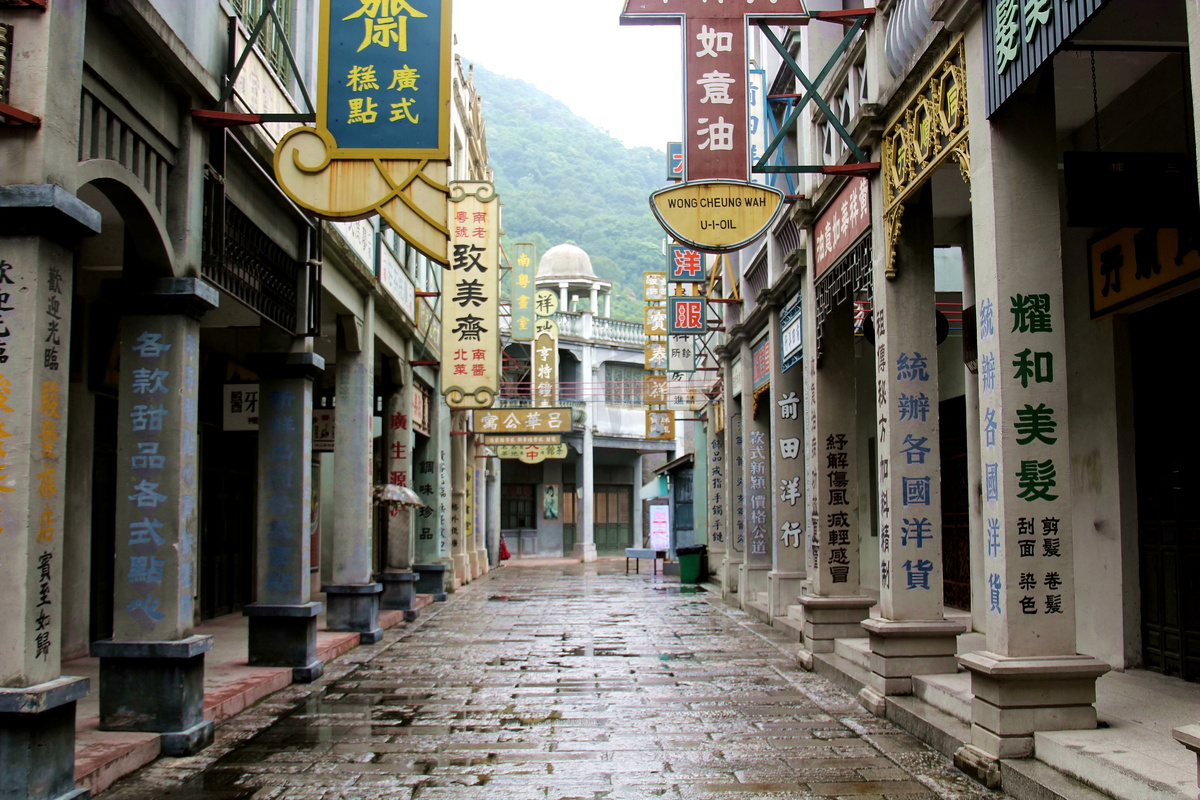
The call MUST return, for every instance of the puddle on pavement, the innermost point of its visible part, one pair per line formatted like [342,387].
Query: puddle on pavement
[680,589]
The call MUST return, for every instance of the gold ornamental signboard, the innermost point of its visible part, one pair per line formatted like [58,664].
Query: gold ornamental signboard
[532,454]
[717,216]
[381,144]
[521,420]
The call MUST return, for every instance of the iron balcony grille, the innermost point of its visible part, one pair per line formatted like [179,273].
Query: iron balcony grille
[247,264]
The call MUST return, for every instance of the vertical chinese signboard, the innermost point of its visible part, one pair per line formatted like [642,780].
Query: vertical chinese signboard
[545,349]
[524,265]
[382,139]
[471,298]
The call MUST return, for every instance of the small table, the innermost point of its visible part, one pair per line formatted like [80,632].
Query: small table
[638,553]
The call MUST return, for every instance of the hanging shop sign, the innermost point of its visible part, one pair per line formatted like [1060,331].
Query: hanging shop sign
[717,216]
[539,439]
[422,399]
[655,285]
[681,390]
[758,123]
[532,454]
[545,325]
[655,389]
[675,161]
[660,424]
[545,303]
[381,144]
[396,282]
[791,332]
[842,222]
[1021,35]
[930,129]
[760,363]
[681,353]
[360,234]
[685,264]
[241,407]
[471,298]
[656,321]
[1132,264]
[524,263]
[656,355]
[545,369]
[687,315]
[716,209]
[521,420]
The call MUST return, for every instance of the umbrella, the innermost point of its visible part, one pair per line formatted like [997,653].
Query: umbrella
[389,494]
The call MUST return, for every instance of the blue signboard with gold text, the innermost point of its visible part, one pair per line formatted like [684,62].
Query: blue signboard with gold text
[381,82]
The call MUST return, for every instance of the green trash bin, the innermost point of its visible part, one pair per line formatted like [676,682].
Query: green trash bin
[691,563]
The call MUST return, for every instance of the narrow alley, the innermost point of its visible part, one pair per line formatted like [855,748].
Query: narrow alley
[554,680]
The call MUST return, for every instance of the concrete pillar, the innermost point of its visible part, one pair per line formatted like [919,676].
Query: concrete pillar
[427,522]
[283,620]
[564,296]
[638,504]
[469,508]
[478,473]
[1030,678]
[833,605]
[37,702]
[756,460]
[735,552]
[787,468]
[459,563]
[595,297]
[398,578]
[912,637]
[585,539]
[608,304]
[152,670]
[353,597]
[711,472]
[979,592]
[493,516]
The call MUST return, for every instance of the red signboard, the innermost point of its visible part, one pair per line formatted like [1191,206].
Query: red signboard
[760,363]
[716,76]
[842,222]
[687,315]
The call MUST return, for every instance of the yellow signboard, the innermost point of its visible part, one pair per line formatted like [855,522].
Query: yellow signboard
[545,303]
[717,216]
[1135,263]
[522,420]
[656,390]
[545,369]
[656,320]
[539,439]
[471,298]
[656,355]
[524,267]
[532,454]
[655,287]
[660,424]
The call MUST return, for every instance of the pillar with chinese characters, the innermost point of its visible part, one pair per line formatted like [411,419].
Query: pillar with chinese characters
[912,636]
[398,579]
[152,670]
[713,474]
[756,479]
[1030,677]
[735,512]
[37,702]
[459,562]
[787,471]
[834,605]
[352,595]
[585,540]
[283,619]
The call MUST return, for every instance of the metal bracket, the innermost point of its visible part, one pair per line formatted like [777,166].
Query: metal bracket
[856,19]
[231,79]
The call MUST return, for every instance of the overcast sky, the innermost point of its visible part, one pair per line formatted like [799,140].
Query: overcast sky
[625,80]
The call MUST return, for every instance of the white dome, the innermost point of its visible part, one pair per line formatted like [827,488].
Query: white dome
[566,262]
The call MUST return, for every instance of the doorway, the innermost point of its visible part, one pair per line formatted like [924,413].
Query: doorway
[613,523]
[1168,480]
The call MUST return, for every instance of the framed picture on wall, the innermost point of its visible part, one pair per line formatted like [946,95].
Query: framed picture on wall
[550,503]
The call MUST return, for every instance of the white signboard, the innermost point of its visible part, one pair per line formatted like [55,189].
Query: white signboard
[397,283]
[360,235]
[241,407]
[758,124]
[660,527]
[323,429]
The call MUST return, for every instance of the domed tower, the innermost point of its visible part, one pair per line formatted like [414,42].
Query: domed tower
[568,269]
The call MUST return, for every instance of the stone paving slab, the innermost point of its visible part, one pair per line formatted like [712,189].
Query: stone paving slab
[563,682]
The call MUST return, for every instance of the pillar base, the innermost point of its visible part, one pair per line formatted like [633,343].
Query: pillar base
[729,577]
[37,740]
[155,687]
[830,618]
[1015,696]
[285,636]
[399,593]
[473,564]
[431,579]
[354,608]
[462,569]
[585,552]
[901,649]
[782,590]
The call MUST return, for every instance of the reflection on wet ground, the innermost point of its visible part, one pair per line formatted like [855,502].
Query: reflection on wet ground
[562,682]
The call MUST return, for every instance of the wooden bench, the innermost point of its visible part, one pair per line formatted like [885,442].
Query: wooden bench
[638,553]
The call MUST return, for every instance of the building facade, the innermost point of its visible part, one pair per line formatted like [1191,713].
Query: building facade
[201,384]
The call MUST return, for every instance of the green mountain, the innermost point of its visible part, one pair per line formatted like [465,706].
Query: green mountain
[562,180]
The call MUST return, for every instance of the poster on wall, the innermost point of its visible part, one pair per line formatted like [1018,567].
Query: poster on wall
[660,527]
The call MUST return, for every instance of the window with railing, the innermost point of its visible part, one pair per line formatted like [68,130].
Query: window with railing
[271,41]
[624,384]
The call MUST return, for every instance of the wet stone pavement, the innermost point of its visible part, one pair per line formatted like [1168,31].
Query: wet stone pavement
[562,681]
